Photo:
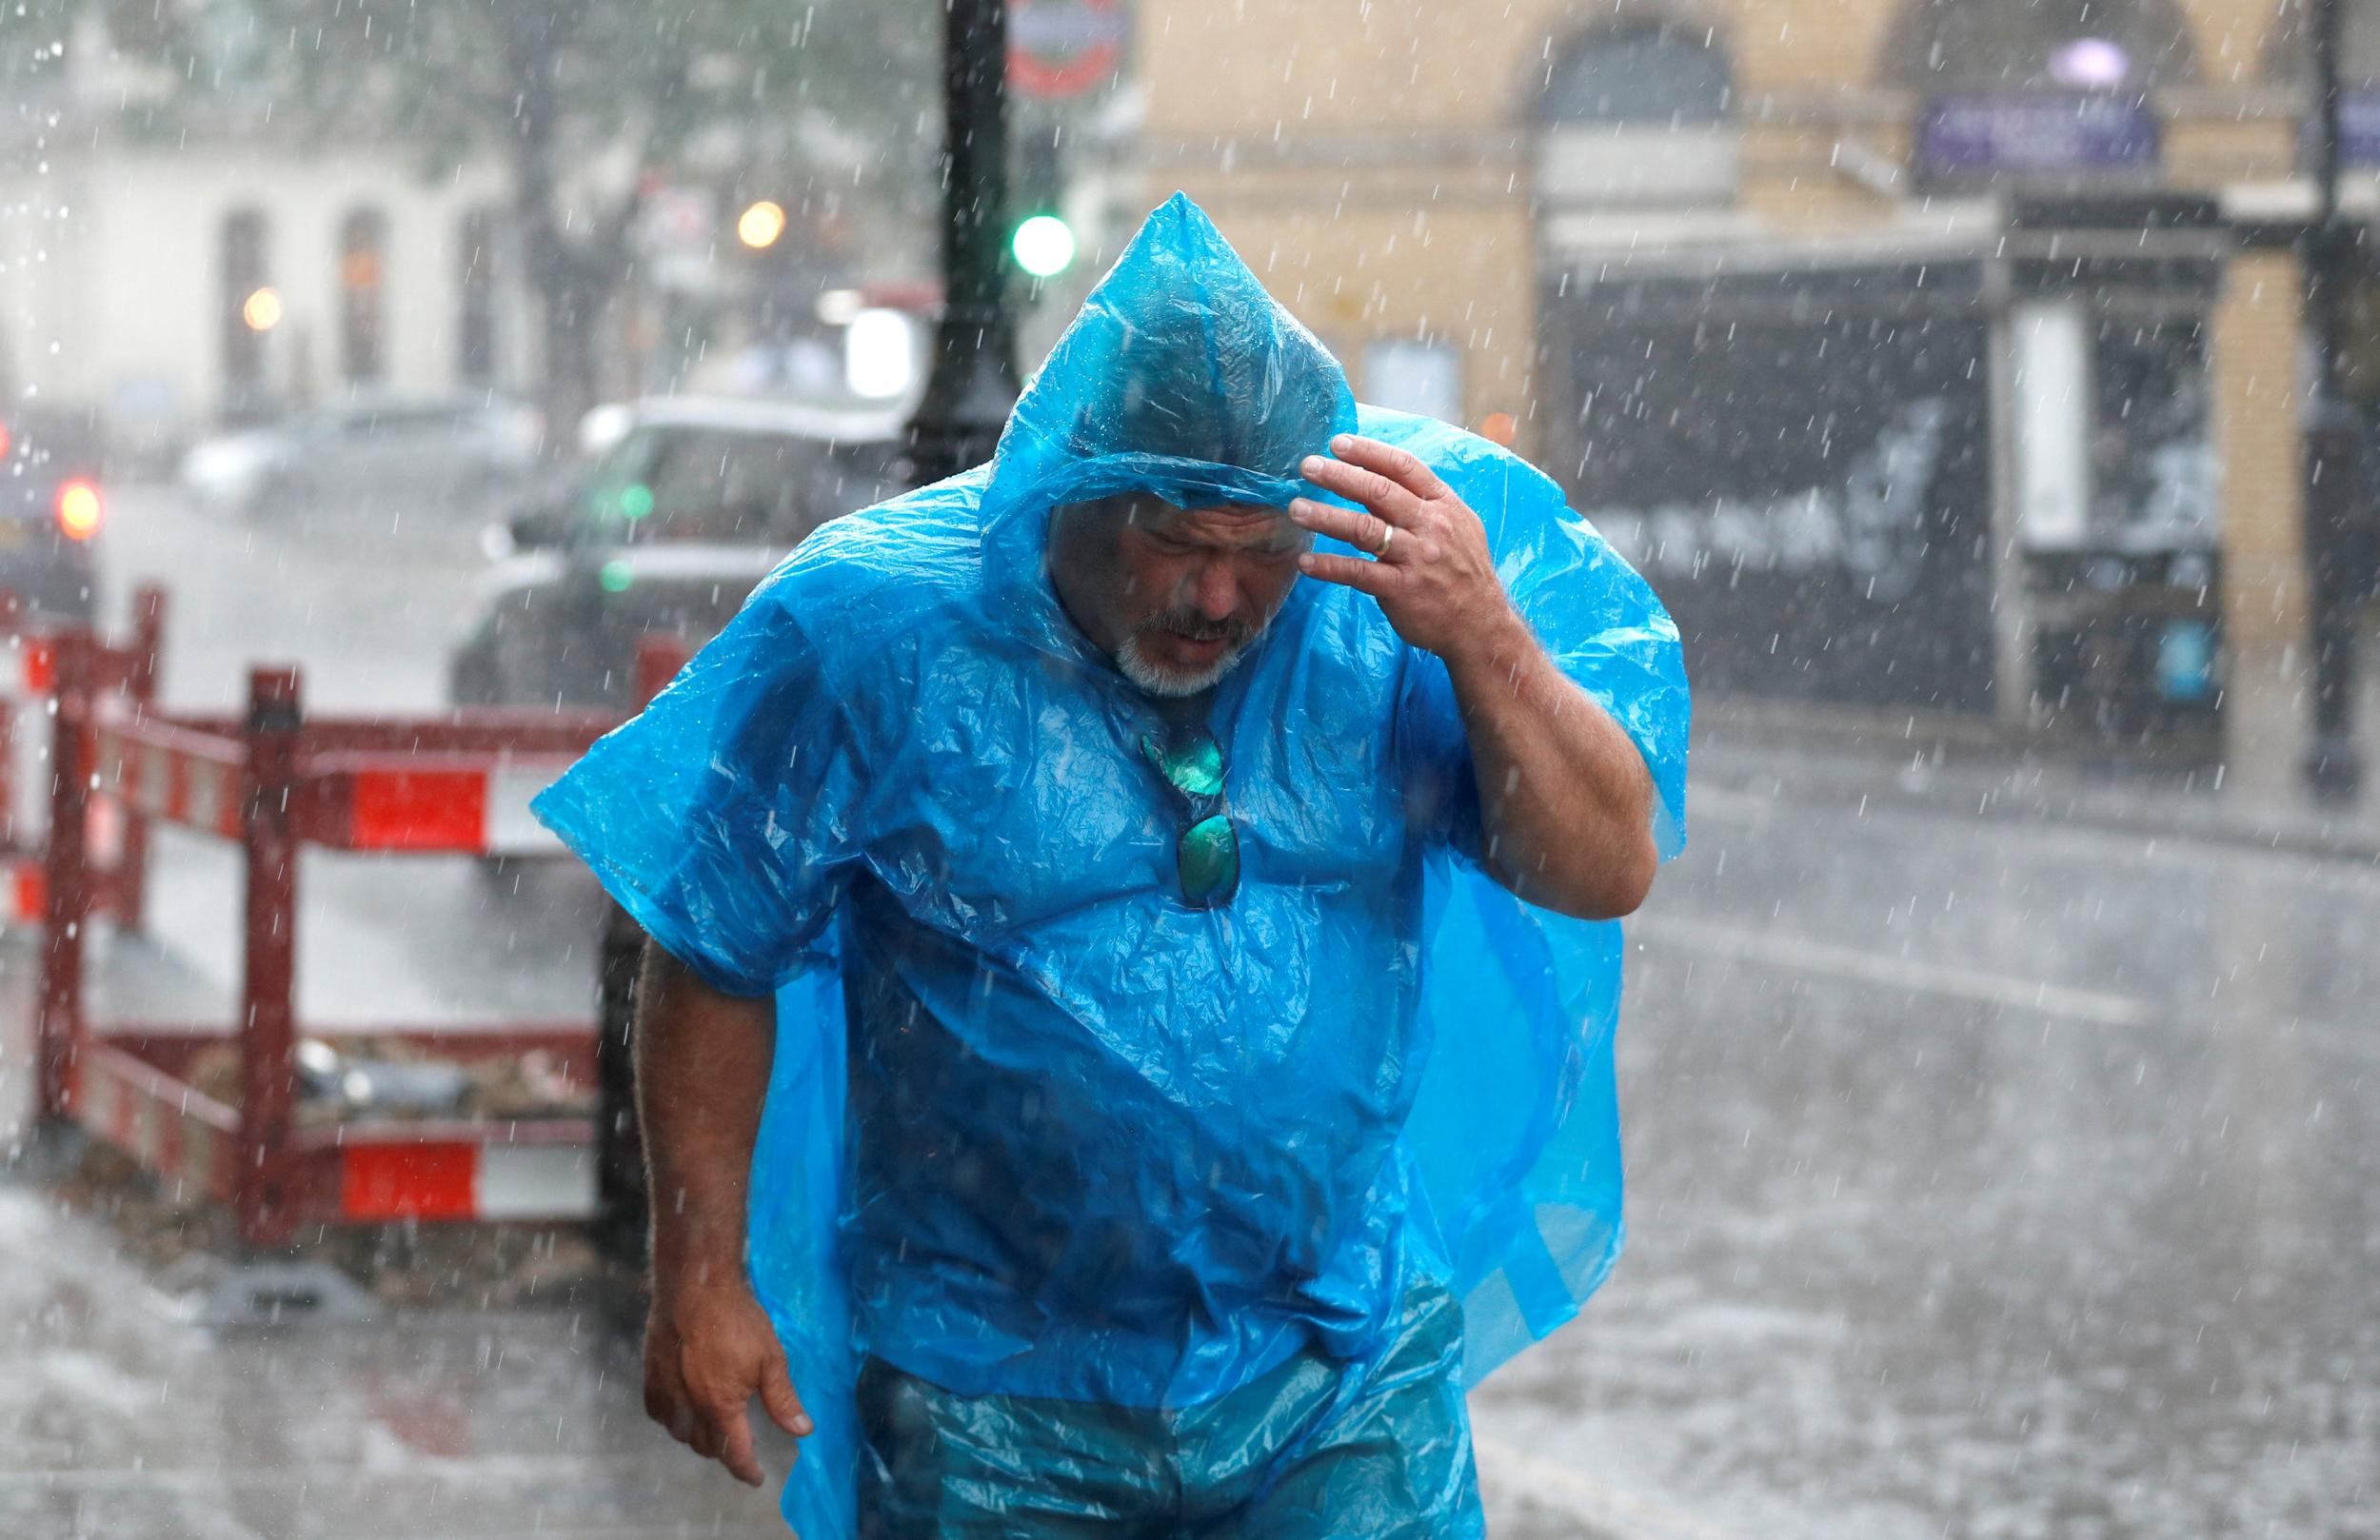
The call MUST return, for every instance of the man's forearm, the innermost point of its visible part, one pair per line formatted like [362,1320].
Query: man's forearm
[702,1076]
[1565,800]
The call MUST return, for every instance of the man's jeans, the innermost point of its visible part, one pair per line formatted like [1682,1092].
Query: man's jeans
[1316,1448]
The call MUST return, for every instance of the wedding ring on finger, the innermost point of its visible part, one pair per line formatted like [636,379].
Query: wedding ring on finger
[1388,536]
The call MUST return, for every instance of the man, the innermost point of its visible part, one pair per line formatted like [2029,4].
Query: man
[1134,871]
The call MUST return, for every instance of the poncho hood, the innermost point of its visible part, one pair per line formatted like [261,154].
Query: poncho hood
[1181,378]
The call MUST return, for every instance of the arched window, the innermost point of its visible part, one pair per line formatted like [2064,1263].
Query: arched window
[1635,110]
[248,309]
[362,275]
[1641,74]
[475,297]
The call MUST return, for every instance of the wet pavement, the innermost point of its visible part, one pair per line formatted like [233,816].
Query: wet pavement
[122,1420]
[1990,1178]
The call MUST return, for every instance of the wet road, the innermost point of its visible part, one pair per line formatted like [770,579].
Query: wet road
[1993,1181]
[1987,1180]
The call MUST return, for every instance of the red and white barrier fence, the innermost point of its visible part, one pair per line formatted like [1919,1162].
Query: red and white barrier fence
[459,786]
[29,677]
[276,781]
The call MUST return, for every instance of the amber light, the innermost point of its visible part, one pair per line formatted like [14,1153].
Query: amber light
[760,224]
[78,510]
[261,310]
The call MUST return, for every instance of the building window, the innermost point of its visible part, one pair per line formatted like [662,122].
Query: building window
[1637,112]
[1405,375]
[2114,440]
[1641,74]
[475,298]
[363,273]
[250,310]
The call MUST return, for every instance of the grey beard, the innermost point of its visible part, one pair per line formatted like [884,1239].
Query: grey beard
[1172,683]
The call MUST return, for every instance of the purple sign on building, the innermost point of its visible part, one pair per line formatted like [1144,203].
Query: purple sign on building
[2359,128]
[2036,132]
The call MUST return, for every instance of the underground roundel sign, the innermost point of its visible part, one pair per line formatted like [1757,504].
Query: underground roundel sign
[1064,48]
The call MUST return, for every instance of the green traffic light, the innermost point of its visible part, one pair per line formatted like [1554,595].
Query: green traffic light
[1044,246]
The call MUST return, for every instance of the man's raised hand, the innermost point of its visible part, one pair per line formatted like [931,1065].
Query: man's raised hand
[1430,566]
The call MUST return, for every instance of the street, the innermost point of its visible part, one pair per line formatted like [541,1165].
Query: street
[1989,1179]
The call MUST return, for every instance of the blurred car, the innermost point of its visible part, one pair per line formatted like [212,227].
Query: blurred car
[51,509]
[467,448]
[666,530]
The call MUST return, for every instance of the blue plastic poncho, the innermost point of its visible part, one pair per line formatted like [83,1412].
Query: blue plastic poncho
[1034,1126]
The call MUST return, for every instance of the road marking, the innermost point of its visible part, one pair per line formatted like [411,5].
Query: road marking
[2010,991]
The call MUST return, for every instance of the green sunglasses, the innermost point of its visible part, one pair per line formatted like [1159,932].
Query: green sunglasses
[1206,854]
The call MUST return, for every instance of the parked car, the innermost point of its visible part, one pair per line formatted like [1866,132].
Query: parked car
[469,448]
[52,506]
[666,530]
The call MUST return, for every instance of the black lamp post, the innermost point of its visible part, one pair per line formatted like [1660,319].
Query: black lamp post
[972,382]
[2334,490]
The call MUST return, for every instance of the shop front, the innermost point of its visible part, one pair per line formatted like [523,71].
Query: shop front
[1969,474]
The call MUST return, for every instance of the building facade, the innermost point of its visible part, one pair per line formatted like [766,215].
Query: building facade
[173,282]
[1937,357]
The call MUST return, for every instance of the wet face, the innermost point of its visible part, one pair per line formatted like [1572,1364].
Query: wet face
[1174,596]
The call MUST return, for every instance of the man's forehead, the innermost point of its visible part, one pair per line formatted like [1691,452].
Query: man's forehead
[1235,522]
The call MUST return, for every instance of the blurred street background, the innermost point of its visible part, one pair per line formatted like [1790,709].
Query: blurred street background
[1988,387]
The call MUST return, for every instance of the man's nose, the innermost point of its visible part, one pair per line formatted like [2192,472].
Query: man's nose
[1217,592]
